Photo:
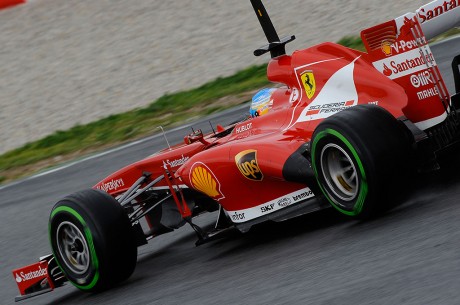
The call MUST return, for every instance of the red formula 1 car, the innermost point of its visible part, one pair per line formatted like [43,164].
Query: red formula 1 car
[343,130]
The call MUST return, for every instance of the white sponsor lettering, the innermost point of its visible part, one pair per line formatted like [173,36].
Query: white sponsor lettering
[404,46]
[271,206]
[176,162]
[427,93]
[243,128]
[112,185]
[30,275]
[421,79]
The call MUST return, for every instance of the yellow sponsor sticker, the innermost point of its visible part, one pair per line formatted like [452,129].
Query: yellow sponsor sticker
[308,82]
[204,181]
[246,161]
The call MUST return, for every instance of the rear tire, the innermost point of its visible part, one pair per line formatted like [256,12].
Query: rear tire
[92,240]
[360,158]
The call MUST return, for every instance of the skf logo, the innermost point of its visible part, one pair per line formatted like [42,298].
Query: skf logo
[246,161]
[203,180]
[308,82]
[386,48]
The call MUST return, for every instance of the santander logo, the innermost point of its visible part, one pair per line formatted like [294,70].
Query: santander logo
[387,71]
[30,275]
[433,12]
[404,64]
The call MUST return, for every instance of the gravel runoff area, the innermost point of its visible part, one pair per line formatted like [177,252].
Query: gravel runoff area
[71,62]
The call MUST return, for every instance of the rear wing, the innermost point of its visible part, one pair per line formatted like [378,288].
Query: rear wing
[399,49]
[406,58]
[435,17]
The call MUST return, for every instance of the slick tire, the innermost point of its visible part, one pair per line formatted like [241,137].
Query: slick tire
[360,158]
[92,240]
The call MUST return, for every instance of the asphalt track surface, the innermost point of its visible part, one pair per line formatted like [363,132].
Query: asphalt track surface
[409,256]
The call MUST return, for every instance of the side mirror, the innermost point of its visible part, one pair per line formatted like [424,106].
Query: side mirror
[194,137]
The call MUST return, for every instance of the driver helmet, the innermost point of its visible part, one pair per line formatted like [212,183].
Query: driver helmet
[262,102]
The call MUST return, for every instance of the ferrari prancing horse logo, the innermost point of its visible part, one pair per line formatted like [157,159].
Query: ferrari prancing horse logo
[308,82]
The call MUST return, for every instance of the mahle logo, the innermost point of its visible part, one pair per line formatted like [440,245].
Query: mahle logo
[246,161]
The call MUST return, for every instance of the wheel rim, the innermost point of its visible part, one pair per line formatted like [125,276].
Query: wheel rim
[72,247]
[339,172]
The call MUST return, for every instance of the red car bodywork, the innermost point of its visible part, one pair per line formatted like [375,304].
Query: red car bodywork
[257,168]
[340,77]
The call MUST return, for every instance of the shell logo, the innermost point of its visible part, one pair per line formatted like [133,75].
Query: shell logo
[386,48]
[204,180]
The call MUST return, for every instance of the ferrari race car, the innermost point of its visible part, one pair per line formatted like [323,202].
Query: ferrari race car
[343,129]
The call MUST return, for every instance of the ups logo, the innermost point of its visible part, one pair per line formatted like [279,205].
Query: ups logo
[246,161]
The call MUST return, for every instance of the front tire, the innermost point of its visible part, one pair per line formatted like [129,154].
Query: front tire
[92,240]
[360,157]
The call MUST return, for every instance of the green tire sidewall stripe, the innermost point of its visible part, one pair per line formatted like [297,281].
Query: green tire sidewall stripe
[358,207]
[89,239]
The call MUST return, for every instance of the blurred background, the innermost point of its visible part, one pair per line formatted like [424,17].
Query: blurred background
[64,63]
